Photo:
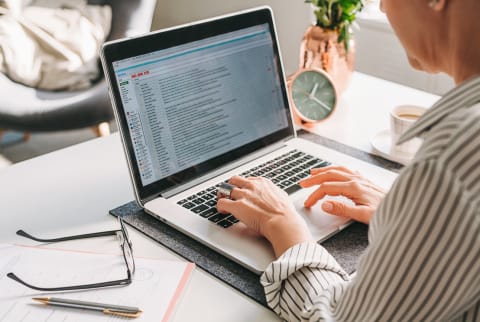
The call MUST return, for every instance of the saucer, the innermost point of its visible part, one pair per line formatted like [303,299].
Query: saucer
[382,144]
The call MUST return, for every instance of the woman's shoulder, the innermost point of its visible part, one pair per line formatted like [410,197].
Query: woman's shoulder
[453,147]
[456,135]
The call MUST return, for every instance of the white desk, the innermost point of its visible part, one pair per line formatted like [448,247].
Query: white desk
[364,108]
[70,192]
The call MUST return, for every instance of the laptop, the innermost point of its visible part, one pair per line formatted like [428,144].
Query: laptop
[199,103]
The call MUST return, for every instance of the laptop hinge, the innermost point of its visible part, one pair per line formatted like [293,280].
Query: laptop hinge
[222,170]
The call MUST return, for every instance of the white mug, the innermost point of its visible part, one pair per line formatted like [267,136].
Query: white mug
[401,118]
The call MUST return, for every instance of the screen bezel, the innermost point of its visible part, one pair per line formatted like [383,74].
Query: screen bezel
[119,50]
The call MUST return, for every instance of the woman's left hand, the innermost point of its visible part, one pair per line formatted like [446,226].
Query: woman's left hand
[266,209]
[340,181]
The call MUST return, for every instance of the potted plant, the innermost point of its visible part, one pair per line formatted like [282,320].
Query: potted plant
[328,44]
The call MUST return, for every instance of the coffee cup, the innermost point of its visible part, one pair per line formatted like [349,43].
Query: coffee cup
[402,118]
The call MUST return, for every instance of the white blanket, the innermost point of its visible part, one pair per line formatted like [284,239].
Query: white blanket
[52,44]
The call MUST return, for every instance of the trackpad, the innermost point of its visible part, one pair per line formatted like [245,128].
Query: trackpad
[321,224]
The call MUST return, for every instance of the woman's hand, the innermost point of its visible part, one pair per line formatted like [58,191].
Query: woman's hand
[340,181]
[266,209]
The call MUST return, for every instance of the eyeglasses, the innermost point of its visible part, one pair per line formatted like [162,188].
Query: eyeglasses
[125,245]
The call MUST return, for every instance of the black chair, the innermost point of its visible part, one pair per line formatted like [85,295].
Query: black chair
[27,109]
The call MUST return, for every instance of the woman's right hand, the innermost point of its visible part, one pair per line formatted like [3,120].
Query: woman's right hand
[340,181]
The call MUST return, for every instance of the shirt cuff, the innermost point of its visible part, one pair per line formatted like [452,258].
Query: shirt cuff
[308,254]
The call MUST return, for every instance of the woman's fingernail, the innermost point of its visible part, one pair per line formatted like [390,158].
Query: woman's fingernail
[327,206]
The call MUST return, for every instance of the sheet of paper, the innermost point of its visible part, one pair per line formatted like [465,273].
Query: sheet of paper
[156,287]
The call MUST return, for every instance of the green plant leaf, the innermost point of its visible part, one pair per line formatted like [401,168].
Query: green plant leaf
[337,15]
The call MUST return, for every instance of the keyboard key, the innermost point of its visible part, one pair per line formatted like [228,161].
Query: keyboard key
[292,189]
[211,189]
[297,178]
[232,219]
[217,217]
[305,166]
[210,196]
[201,193]
[287,183]
[323,164]
[225,223]
[269,175]
[211,203]
[304,174]
[198,201]
[199,209]
[311,163]
[181,202]
[188,205]
[209,212]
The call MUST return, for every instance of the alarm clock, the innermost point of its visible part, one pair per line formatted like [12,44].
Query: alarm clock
[313,95]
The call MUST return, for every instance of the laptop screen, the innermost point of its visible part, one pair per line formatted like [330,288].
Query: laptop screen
[192,107]
[191,103]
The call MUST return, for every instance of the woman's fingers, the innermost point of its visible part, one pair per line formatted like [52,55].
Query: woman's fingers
[234,207]
[241,182]
[325,176]
[347,189]
[357,213]
[238,193]
[333,167]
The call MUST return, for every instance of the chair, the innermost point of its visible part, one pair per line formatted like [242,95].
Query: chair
[27,109]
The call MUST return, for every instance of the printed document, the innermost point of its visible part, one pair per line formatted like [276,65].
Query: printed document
[156,287]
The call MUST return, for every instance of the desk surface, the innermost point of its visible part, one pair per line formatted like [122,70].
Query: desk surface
[71,191]
[364,109]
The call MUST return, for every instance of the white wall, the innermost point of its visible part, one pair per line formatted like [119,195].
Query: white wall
[292,18]
[379,53]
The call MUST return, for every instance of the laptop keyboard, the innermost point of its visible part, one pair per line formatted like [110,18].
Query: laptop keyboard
[285,171]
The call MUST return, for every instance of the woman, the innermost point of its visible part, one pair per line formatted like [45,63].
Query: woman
[423,261]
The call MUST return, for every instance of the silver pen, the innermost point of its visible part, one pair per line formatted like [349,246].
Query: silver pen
[119,310]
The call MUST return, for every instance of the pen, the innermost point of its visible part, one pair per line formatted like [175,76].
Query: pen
[119,310]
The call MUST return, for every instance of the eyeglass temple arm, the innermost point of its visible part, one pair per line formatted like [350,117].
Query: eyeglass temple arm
[71,288]
[52,240]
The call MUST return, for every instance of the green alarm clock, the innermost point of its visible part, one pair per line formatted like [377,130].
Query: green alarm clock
[313,95]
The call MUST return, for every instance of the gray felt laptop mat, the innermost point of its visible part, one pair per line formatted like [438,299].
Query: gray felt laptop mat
[346,246]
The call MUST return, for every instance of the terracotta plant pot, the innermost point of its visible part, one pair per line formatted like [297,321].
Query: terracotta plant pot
[320,49]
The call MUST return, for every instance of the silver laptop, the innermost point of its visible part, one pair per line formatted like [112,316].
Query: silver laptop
[199,103]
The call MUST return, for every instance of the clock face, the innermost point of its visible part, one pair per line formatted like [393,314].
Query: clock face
[313,95]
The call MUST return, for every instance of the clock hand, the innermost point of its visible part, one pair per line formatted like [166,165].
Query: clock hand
[321,103]
[314,90]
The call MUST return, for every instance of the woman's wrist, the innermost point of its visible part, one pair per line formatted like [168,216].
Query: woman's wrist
[283,234]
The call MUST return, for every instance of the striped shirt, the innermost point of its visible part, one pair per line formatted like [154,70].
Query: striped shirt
[423,259]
